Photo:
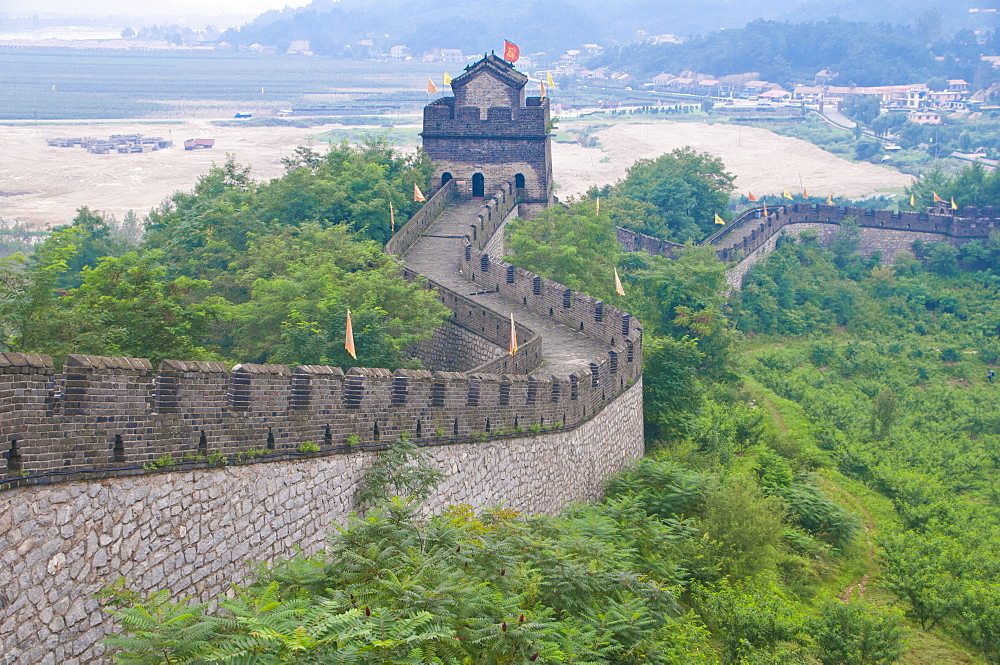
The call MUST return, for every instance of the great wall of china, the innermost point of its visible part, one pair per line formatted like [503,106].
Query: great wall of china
[83,499]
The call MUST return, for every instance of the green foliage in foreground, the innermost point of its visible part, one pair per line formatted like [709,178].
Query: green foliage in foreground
[893,374]
[677,565]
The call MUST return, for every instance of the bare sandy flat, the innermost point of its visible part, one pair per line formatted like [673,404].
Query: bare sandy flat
[43,186]
[762,161]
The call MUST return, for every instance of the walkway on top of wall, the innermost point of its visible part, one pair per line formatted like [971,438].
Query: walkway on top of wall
[564,350]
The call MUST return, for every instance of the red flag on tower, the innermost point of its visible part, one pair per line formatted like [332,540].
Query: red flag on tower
[511,51]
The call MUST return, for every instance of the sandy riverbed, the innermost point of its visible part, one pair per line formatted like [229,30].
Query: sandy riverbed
[43,186]
[763,162]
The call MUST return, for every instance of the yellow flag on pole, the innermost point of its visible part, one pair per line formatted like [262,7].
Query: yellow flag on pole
[913,201]
[829,199]
[619,289]
[392,219]
[417,194]
[513,335]
[447,78]
[349,337]
[598,205]
[954,206]
[431,88]
[787,195]
[719,220]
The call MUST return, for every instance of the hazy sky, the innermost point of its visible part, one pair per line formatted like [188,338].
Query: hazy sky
[133,8]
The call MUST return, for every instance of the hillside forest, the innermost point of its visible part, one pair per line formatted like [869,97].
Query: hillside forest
[822,446]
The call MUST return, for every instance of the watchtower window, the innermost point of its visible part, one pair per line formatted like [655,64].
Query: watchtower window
[14,464]
[519,180]
[478,186]
[445,177]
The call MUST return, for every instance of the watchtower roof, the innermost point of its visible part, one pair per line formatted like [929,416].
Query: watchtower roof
[492,65]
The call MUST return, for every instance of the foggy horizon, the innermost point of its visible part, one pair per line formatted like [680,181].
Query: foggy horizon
[127,8]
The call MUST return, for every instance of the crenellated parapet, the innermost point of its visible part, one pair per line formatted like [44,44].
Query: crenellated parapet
[179,477]
[112,416]
[442,120]
[752,229]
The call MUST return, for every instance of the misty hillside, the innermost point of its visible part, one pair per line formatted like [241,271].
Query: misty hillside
[363,27]
[858,53]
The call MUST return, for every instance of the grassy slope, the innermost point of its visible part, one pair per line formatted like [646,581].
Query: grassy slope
[857,576]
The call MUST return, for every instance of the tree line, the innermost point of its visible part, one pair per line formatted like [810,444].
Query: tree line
[235,270]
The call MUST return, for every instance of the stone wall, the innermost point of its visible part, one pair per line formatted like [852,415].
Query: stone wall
[889,242]
[509,140]
[198,532]
[753,229]
[452,348]
[83,493]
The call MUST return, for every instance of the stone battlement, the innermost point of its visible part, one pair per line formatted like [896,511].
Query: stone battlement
[752,229]
[112,415]
[443,120]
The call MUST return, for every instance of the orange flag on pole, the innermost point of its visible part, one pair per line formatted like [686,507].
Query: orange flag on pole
[937,199]
[764,213]
[751,197]
[431,88]
[511,51]
[619,289]
[417,194]
[541,86]
[805,194]
[349,337]
[513,335]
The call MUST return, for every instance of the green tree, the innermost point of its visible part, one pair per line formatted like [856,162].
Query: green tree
[688,188]
[570,244]
[131,306]
[857,634]
[863,108]
[301,284]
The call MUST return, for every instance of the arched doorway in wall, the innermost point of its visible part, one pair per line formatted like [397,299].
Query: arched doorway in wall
[519,184]
[445,177]
[478,186]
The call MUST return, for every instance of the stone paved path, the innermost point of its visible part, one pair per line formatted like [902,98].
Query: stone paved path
[564,350]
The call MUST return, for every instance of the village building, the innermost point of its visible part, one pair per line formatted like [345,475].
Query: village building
[924,117]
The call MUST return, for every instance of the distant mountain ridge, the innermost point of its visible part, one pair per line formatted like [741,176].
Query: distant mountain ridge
[366,27]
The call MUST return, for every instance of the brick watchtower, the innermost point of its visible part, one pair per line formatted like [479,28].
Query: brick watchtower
[489,132]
